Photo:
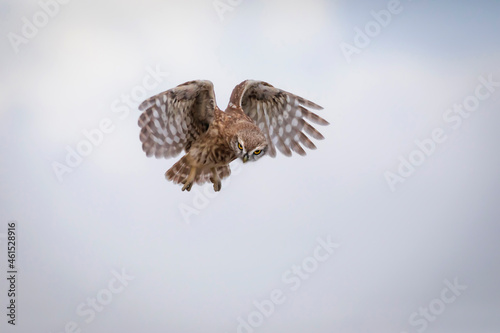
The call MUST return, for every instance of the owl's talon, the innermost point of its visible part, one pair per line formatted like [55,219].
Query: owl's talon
[188,182]
[187,186]
[215,180]
[217,185]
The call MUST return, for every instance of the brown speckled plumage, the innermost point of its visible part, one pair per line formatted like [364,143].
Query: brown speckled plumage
[258,119]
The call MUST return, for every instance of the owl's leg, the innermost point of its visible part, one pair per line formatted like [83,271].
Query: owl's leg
[188,183]
[215,180]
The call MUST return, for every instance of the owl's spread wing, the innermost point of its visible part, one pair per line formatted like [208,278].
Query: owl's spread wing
[173,119]
[280,115]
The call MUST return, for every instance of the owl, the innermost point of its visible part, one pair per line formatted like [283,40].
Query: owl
[259,120]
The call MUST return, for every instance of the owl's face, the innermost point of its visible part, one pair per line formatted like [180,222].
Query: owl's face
[250,144]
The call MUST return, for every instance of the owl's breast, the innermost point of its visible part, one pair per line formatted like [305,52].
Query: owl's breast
[212,149]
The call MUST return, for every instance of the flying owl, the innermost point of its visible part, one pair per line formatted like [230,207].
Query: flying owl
[258,119]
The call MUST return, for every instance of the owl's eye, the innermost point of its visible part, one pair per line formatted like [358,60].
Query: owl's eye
[240,146]
[257,152]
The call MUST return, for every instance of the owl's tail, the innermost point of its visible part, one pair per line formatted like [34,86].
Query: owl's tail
[179,172]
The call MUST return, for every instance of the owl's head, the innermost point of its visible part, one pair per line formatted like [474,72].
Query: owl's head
[249,143]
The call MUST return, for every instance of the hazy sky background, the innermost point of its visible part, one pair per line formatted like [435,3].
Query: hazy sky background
[202,270]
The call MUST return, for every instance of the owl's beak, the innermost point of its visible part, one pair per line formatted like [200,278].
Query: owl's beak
[245,158]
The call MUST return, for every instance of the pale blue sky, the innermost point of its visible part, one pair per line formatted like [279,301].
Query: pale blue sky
[115,210]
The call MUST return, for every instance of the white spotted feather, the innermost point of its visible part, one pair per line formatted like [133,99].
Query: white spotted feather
[282,116]
[173,120]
